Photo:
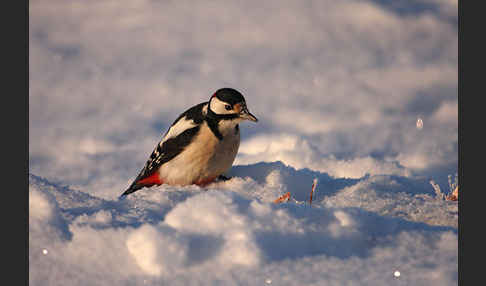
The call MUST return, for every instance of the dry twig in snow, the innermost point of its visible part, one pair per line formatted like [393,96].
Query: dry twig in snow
[314,184]
[283,198]
[454,196]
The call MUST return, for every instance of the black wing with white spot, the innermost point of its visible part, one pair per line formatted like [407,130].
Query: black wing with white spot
[175,140]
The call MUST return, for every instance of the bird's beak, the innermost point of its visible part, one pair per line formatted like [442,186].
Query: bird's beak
[245,114]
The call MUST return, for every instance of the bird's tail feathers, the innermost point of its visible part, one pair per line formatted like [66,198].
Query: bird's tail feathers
[140,183]
[133,188]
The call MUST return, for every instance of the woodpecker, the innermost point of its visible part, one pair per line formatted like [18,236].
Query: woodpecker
[199,146]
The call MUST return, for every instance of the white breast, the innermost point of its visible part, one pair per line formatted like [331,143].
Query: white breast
[223,159]
[206,157]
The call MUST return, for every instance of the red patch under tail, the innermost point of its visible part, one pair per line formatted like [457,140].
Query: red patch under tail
[150,180]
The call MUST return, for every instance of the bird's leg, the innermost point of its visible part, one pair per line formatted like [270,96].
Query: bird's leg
[223,178]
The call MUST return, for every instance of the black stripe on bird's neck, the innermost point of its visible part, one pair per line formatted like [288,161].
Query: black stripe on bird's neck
[213,125]
[213,120]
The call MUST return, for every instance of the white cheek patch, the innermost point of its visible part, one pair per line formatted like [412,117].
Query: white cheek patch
[182,125]
[218,106]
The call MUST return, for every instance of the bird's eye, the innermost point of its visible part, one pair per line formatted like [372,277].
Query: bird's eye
[228,107]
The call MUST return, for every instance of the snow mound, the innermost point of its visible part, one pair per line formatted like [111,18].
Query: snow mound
[231,233]
[388,195]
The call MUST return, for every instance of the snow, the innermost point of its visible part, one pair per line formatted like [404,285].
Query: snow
[375,230]
[359,96]
[334,90]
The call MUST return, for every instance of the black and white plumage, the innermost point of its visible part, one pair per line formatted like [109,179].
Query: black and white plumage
[199,146]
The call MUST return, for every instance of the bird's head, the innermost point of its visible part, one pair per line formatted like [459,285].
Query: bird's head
[228,103]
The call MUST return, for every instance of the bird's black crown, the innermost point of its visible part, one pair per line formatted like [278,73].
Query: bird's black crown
[229,95]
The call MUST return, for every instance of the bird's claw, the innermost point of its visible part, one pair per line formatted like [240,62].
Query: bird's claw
[223,178]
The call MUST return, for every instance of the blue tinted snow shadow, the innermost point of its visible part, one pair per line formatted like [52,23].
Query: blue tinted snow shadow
[299,182]
[408,8]
[373,231]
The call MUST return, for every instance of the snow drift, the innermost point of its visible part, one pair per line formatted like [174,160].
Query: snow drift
[357,232]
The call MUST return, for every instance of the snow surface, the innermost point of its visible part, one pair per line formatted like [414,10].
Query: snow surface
[358,94]
[373,230]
